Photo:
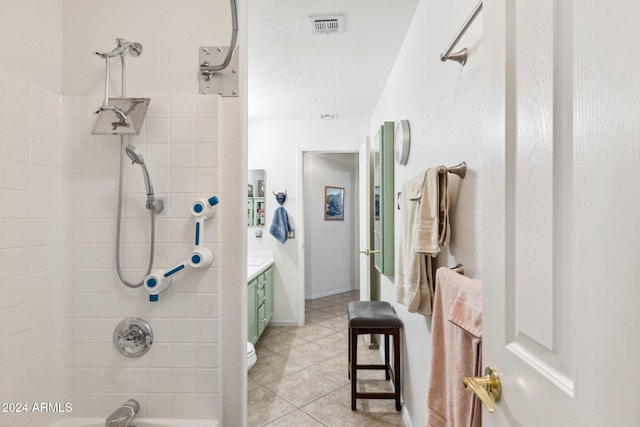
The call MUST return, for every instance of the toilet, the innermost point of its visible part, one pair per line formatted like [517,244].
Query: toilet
[251,356]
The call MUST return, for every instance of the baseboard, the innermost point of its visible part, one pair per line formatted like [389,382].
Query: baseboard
[406,418]
[328,294]
[272,323]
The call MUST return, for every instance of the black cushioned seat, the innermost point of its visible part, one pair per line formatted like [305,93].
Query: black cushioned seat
[374,317]
[372,314]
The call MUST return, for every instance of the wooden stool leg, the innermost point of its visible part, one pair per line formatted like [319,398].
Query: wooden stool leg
[396,366]
[349,354]
[386,357]
[354,366]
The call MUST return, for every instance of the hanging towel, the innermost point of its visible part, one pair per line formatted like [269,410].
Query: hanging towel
[424,213]
[280,227]
[456,339]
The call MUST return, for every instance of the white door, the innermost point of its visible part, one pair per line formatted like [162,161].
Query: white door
[561,226]
[364,240]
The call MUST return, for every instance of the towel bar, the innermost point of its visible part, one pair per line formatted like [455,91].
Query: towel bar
[460,170]
[458,269]
[461,56]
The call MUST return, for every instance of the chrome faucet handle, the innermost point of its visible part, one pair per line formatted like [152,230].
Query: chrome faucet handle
[133,337]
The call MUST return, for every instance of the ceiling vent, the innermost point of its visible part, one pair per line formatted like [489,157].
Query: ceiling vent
[328,116]
[326,24]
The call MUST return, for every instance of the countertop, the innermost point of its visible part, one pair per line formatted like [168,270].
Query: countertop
[257,262]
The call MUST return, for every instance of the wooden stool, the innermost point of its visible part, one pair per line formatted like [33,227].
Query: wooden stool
[374,317]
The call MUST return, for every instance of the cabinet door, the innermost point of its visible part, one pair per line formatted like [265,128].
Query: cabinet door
[258,211]
[250,216]
[268,293]
[262,320]
[252,312]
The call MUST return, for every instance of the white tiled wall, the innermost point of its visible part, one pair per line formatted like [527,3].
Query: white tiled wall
[35,253]
[179,377]
[60,295]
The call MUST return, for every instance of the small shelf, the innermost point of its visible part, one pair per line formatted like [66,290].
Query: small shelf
[255,211]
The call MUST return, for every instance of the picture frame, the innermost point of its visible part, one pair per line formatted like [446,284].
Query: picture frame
[333,203]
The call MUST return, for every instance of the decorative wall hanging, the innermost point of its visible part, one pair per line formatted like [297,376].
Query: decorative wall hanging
[333,203]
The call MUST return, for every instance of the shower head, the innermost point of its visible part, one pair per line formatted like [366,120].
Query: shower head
[121,116]
[134,154]
[136,157]
[134,48]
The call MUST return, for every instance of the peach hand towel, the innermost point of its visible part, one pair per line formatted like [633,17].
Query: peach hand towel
[410,276]
[456,334]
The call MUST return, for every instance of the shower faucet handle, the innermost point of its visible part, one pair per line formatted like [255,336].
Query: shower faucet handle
[133,337]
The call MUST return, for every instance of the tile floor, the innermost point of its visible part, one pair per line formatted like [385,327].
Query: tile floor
[301,380]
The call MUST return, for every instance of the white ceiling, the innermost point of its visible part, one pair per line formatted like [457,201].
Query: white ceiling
[294,75]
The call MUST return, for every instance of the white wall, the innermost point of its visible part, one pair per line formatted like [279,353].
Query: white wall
[443,103]
[58,187]
[31,41]
[34,215]
[330,245]
[34,249]
[275,145]
[182,142]
[171,33]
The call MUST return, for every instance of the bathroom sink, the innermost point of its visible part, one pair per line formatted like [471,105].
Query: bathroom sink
[253,261]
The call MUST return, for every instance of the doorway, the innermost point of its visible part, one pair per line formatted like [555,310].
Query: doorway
[331,241]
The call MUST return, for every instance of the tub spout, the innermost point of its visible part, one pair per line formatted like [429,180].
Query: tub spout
[122,416]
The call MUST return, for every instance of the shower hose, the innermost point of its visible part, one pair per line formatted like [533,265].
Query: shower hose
[119,226]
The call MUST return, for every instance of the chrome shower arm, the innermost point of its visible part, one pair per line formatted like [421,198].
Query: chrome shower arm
[121,49]
[208,69]
[124,120]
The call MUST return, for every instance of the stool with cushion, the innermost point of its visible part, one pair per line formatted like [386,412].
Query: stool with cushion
[374,317]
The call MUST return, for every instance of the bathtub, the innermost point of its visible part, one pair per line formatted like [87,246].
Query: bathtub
[138,422]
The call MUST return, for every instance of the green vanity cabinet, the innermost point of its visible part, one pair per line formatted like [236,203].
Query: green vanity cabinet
[252,313]
[260,304]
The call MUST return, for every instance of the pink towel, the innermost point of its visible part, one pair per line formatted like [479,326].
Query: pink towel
[456,338]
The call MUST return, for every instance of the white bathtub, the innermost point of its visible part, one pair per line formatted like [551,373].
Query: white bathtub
[138,422]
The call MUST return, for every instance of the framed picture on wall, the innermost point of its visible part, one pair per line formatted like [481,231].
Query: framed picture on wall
[333,203]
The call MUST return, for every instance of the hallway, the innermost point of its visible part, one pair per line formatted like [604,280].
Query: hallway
[301,379]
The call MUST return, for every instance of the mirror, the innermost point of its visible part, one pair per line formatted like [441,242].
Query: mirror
[255,197]
[383,199]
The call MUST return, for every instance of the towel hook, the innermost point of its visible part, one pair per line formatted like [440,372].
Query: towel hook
[280,197]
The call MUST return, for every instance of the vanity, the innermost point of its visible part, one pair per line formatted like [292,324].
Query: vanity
[259,293]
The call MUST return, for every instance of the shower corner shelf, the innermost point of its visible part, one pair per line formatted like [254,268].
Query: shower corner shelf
[224,82]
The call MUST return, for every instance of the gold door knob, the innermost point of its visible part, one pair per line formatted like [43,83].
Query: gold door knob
[370,251]
[487,388]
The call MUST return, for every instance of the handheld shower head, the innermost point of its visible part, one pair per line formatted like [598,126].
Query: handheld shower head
[134,154]
[136,157]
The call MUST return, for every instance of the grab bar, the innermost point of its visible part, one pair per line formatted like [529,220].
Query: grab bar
[207,69]
[461,56]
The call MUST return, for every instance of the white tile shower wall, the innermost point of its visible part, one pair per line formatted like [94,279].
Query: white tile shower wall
[179,377]
[34,256]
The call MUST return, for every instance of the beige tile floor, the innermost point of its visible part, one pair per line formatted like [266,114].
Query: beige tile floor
[301,377]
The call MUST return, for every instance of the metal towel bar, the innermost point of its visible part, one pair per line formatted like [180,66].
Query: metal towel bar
[461,56]
[460,170]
